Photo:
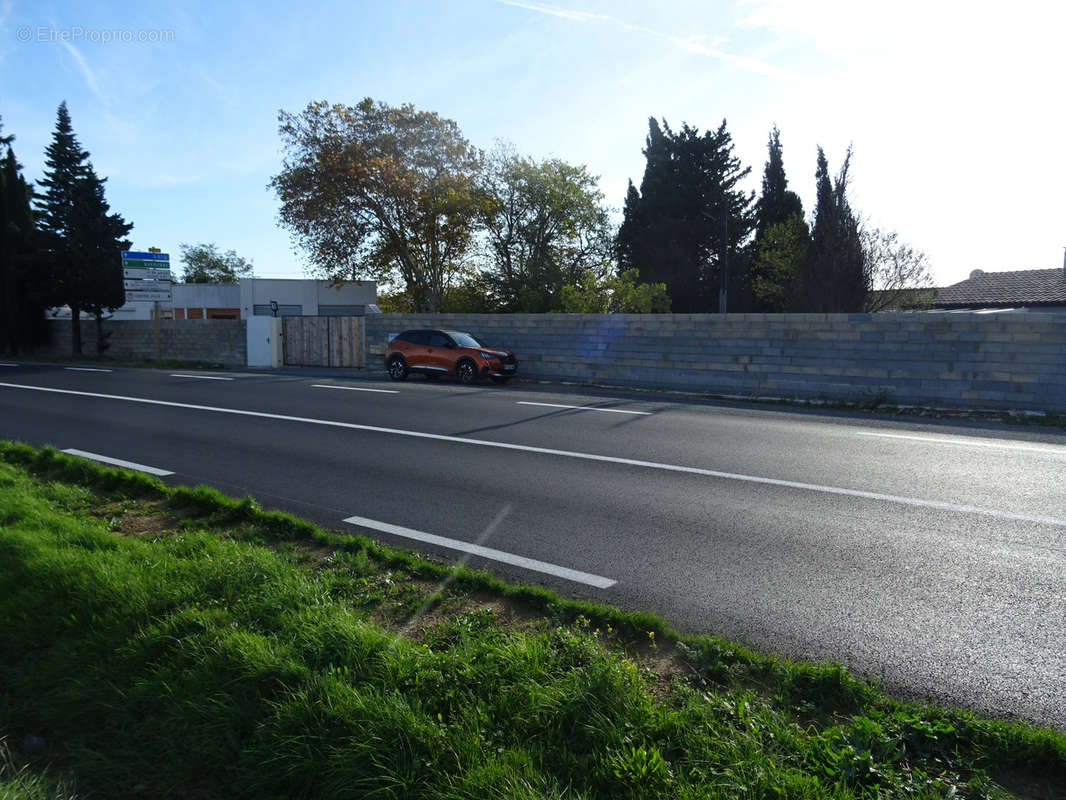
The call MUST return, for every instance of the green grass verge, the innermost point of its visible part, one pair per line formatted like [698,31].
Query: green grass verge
[179,643]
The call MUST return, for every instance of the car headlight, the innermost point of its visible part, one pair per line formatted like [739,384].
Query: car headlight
[486,356]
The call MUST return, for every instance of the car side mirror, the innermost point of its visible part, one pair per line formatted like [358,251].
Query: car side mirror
[451,345]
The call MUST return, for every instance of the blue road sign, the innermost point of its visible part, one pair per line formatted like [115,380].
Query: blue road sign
[146,256]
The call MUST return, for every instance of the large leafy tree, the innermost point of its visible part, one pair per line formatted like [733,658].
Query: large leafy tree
[834,277]
[780,244]
[373,188]
[545,227]
[689,220]
[205,263]
[23,282]
[84,240]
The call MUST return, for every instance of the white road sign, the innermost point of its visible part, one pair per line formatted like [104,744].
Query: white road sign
[147,286]
[133,294]
[146,273]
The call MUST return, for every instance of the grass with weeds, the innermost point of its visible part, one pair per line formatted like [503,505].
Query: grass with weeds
[178,643]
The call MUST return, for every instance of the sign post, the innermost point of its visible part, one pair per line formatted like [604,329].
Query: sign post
[146,277]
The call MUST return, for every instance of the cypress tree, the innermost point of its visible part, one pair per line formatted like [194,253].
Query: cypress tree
[834,277]
[780,236]
[777,203]
[84,241]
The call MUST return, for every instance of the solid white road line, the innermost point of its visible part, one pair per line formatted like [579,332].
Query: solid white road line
[585,408]
[9,365]
[201,377]
[353,388]
[485,552]
[965,442]
[631,462]
[86,369]
[118,462]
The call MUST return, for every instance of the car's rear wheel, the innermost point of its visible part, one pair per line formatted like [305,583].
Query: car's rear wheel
[397,369]
[501,379]
[466,371]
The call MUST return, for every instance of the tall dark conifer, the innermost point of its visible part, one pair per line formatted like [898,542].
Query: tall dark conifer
[96,242]
[689,216]
[777,203]
[22,284]
[834,278]
[779,247]
[83,239]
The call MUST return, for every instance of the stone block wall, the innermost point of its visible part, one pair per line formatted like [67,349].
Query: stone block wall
[1015,361]
[215,341]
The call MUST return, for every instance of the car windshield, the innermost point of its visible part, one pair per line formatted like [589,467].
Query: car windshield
[464,339]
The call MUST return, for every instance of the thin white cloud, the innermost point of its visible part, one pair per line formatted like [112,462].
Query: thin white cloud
[555,11]
[85,69]
[692,44]
[689,44]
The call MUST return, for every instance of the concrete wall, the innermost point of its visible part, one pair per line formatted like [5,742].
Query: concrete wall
[957,360]
[216,341]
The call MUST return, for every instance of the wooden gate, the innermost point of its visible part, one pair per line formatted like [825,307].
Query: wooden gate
[324,341]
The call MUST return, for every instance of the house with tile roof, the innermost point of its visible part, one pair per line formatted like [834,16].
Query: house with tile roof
[1020,290]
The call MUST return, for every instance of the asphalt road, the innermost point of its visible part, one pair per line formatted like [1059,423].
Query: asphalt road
[929,556]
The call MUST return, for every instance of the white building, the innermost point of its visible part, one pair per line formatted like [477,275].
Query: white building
[253,297]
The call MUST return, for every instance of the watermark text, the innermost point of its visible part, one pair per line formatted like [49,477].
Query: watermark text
[76,33]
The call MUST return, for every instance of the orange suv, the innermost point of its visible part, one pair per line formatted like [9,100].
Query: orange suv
[436,353]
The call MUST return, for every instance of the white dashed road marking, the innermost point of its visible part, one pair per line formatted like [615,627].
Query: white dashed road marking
[966,442]
[118,462]
[353,388]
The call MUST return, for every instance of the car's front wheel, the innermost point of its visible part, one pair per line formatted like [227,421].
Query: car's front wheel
[466,371]
[397,369]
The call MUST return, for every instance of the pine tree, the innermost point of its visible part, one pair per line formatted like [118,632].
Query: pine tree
[83,239]
[96,241]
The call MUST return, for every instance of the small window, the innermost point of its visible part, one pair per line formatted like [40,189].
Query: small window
[438,340]
[414,337]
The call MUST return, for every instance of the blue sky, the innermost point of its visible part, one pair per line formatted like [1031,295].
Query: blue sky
[954,109]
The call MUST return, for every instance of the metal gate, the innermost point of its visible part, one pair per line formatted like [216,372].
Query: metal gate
[324,341]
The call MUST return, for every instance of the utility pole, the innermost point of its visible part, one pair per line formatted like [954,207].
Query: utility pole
[723,291]
[723,259]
